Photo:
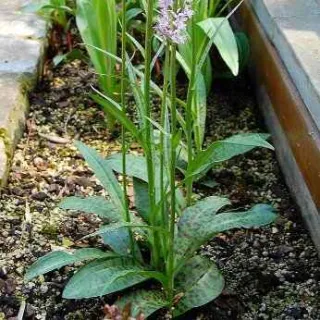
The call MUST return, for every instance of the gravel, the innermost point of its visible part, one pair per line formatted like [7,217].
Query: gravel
[271,273]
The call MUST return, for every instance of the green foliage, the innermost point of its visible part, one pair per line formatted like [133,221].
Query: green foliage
[142,201]
[111,271]
[199,282]
[194,232]
[224,40]
[54,11]
[58,259]
[103,173]
[97,205]
[103,277]
[224,150]
[143,301]
[158,241]
[97,24]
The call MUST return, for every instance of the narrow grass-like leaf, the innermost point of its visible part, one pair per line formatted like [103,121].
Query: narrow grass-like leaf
[136,44]
[200,282]
[120,116]
[103,208]
[58,259]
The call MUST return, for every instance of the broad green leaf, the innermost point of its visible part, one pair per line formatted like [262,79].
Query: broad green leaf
[200,282]
[226,149]
[101,277]
[119,241]
[192,234]
[224,40]
[58,259]
[103,173]
[118,225]
[143,302]
[136,166]
[103,208]
[201,214]
[206,49]
[141,198]
[192,220]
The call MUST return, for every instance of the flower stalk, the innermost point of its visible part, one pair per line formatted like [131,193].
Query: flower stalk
[190,97]
[155,258]
[123,130]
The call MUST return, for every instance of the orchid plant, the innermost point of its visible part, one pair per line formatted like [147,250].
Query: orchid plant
[158,240]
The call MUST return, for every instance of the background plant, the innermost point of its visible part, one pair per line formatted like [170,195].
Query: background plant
[58,14]
[159,240]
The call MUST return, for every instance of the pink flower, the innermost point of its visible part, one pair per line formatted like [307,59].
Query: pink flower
[173,25]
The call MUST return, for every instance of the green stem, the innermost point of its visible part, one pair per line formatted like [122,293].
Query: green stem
[149,134]
[170,265]
[123,131]
[190,97]
[163,159]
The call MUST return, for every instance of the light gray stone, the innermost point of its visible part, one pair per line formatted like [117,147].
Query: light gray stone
[3,163]
[13,108]
[287,8]
[21,25]
[13,5]
[19,55]
[22,44]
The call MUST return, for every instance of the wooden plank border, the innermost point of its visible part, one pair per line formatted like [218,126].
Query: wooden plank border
[287,110]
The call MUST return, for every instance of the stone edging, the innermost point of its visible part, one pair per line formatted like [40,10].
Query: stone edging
[22,48]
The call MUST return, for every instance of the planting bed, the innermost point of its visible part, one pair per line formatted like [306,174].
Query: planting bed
[271,273]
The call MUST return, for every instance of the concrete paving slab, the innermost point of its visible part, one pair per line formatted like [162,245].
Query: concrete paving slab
[22,46]
[19,55]
[287,8]
[3,163]
[21,25]
[13,5]
[13,108]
